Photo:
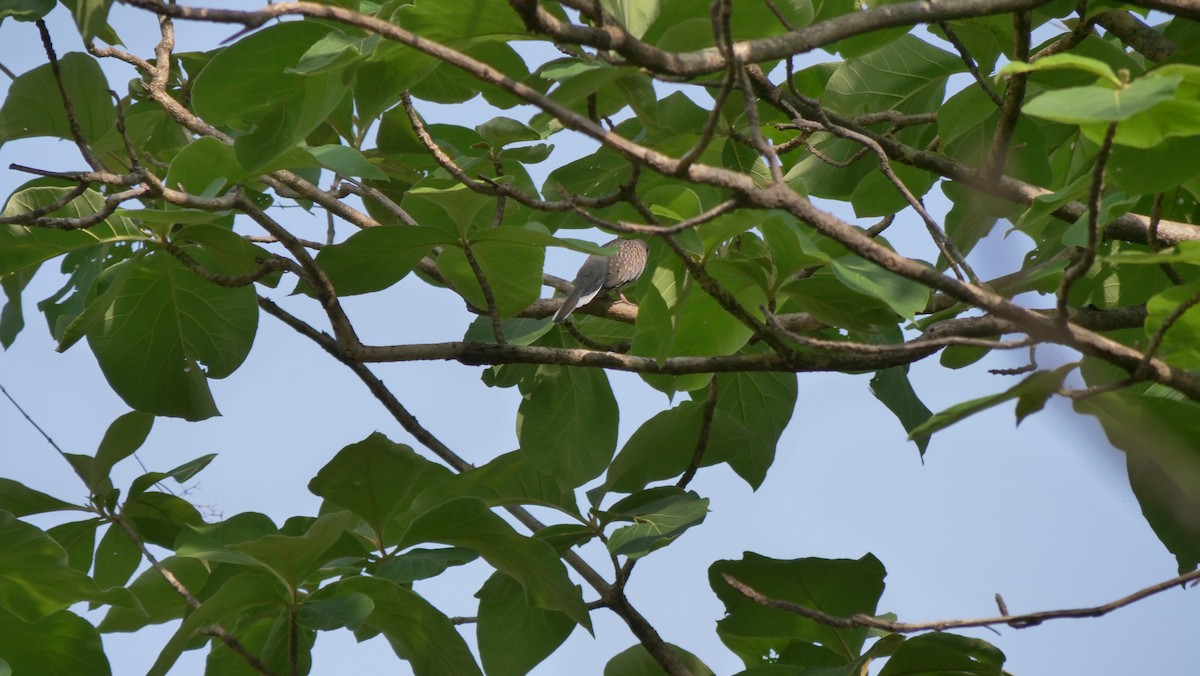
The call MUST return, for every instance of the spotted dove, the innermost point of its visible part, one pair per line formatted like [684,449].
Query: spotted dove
[605,273]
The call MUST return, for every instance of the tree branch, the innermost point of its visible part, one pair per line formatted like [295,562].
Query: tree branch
[1015,621]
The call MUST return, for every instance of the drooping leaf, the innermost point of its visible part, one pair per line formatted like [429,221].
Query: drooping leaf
[515,636]
[167,332]
[567,423]
[34,107]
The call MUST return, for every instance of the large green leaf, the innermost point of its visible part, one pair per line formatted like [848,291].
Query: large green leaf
[940,653]
[376,479]
[243,596]
[840,587]
[34,107]
[467,522]
[167,332]
[1083,105]
[35,579]
[907,75]
[761,403]
[249,87]
[514,636]
[901,294]
[22,247]
[567,423]
[60,643]
[655,523]
[512,269]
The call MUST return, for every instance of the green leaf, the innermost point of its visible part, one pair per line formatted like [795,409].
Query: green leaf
[416,630]
[940,653]
[24,247]
[34,107]
[501,131]
[636,661]
[346,161]
[508,479]
[124,436]
[1031,393]
[205,167]
[657,523]
[79,539]
[91,17]
[59,643]
[420,564]
[159,601]
[467,522]
[20,500]
[167,332]
[567,423]
[876,195]
[348,610]
[26,10]
[891,386]
[907,75]
[1158,436]
[1068,61]
[515,636]
[376,258]
[1083,105]
[117,557]
[513,272]
[249,87]
[1180,343]
[376,479]
[294,558]
[661,448]
[903,295]
[241,596]
[635,15]
[762,403]
[839,587]
[158,517]
[35,580]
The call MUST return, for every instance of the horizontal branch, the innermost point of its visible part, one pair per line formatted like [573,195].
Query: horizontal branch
[611,36]
[843,357]
[1016,621]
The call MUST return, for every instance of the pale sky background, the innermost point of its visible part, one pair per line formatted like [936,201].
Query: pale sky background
[1042,513]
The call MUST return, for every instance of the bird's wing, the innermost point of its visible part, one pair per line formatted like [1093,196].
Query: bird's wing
[587,284]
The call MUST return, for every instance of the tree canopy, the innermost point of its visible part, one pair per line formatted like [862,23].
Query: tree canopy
[784,160]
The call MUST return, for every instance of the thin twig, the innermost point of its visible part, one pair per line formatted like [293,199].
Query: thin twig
[710,408]
[969,60]
[1096,193]
[68,106]
[1016,621]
